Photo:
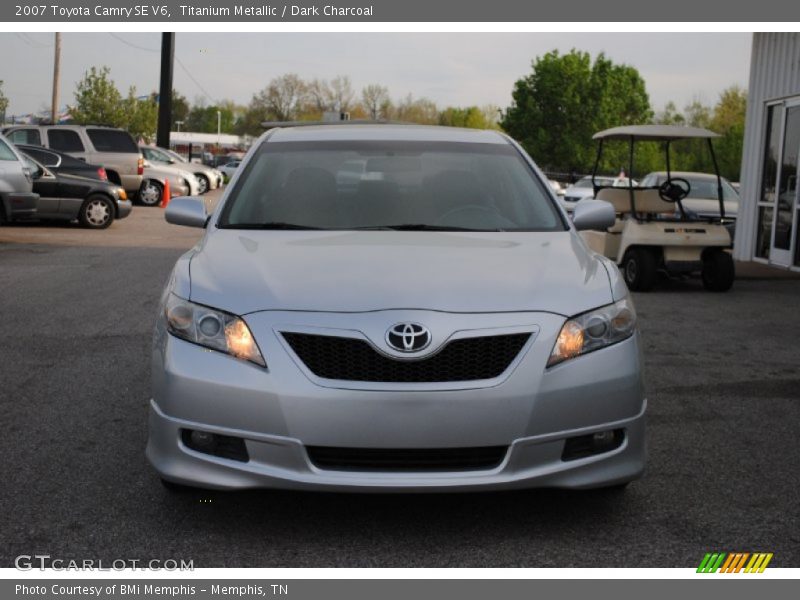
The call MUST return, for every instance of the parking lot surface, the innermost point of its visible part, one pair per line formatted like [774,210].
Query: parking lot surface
[723,374]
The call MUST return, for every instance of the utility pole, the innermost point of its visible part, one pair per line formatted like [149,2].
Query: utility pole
[165,92]
[56,79]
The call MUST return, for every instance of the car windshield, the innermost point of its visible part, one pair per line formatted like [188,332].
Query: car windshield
[392,185]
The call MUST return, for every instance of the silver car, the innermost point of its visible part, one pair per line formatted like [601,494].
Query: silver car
[441,326]
[17,200]
[208,178]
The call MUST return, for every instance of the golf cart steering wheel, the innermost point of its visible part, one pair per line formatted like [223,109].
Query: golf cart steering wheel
[674,189]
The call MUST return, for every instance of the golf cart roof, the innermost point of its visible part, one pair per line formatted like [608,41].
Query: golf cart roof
[654,133]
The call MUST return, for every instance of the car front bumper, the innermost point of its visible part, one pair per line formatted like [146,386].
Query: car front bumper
[282,411]
[124,208]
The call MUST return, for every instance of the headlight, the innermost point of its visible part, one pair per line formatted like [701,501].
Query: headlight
[594,329]
[211,328]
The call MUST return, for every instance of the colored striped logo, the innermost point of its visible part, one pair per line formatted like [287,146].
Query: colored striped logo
[734,562]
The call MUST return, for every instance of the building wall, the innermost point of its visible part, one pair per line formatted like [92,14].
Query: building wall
[774,74]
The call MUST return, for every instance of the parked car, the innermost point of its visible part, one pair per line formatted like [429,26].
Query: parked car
[229,168]
[59,162]
[68,197]
[442,327]
[113,148]
[583,188]
[17,199]
[208,178]
[702,201]
[181,183]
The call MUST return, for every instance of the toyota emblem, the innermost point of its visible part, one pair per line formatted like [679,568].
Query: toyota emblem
[408,337]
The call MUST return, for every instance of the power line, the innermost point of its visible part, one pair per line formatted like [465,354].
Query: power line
[177,60]
[30,41]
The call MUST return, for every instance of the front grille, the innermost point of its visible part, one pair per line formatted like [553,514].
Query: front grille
[352,359]
[404,459]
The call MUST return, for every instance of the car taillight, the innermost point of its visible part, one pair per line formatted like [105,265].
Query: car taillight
[140,169]
[101,173]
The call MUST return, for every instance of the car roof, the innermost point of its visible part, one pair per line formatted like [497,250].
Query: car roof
[686,174]
[385,132]
[654,133]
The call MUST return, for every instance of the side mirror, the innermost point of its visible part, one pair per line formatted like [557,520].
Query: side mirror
[189,211]
[593,214]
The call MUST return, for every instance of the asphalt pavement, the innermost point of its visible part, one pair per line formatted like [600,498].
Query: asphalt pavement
[77,306]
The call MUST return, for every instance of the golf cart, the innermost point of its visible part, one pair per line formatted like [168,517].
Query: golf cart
[653,233]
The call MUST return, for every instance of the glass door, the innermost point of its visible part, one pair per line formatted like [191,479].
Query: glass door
[784,237]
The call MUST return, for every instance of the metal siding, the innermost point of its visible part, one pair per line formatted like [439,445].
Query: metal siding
[774,74]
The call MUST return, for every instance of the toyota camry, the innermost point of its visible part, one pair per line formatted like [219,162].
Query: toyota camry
[379,307]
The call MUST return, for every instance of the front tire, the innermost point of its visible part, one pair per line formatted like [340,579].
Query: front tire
[639,269]
[150,193]
[718,271]
[203,184]
[97,212]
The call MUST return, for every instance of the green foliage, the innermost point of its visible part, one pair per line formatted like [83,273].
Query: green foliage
[141,115]
[203,119]
[473,117]
[565,100]
[97,100]
[725,118]
[180,110]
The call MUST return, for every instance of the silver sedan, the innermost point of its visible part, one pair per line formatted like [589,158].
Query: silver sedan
[440,325]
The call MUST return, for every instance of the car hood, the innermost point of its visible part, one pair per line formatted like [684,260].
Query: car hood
[246,271]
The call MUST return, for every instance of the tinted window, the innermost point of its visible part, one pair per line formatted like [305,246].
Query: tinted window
[6,153]
[112,140]
[65,140]
[484,187]
[48,159]
[25,136]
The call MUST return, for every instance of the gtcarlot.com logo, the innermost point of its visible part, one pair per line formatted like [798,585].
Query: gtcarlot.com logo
[27,562]
[734,562]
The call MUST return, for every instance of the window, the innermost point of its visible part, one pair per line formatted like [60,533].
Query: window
[472,186]
[112,140]
[65,140]
[6,153]
[48,159]
[25,136]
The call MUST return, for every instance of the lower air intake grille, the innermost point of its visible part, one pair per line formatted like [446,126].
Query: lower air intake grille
[352,359]
[387,460]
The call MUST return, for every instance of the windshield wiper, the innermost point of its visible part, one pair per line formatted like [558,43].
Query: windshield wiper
[277,225]
[422,227]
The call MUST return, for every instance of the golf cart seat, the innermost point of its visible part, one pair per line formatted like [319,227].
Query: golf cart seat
[647,200]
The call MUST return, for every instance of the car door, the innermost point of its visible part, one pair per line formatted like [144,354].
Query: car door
[46,185]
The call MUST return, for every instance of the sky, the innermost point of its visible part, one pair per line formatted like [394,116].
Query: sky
[452,69]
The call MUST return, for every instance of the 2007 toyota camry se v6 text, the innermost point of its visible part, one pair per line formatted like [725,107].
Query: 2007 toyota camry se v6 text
[378,307]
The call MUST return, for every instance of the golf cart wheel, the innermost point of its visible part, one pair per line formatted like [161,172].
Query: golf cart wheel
[150,193]
[97,212]
[718,271]
[203,184]
[639,269]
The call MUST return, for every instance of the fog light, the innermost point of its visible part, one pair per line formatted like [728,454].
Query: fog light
[594,443]
[603,438]
[203,440]
[223,446]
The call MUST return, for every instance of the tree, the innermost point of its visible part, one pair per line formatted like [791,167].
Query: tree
[180,109]
[728,121]
[374,98]
[203,119]
[141,115]
[422,111]
[565,100]
[284,97]
[3,104]
[473,117]
[97,100]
